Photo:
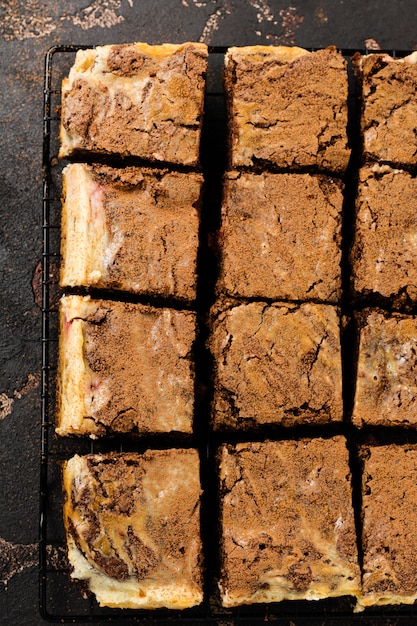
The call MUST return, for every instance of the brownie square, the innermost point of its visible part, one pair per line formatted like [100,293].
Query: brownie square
[287,522]
[384,251]
[133,527]
[280,236]
[124,368]
[389,538]
[388,88]
[287,107]
[130,229]
[276,364]
[386,386]
[136,100]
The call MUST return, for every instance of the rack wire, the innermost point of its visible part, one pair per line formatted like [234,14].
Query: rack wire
[60,599]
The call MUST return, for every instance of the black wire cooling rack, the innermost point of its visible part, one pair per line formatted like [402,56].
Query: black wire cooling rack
[61,599]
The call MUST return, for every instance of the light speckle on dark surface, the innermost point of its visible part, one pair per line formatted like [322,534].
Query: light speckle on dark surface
[6,402]
[101,13]
[371,44]
[290,21]
[15,558]
[31,383]
[6,405]
[28,28]
[23,20]
[321,15]
[264,12]
[213,22]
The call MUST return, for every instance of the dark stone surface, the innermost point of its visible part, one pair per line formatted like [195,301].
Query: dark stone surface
[27,29]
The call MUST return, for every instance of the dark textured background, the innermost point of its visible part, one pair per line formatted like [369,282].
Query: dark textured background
[27,29]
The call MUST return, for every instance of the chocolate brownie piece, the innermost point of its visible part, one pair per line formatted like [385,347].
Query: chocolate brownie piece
[136,100]
[287,522]
[130,229]
[389,538]
[280,236]
[276,364]
[133,527]
[386,386]
[384,252]
[124,368]
[388,88]
[287,107]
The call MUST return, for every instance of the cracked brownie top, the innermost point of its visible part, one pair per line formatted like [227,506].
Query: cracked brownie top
[389,538]
[136,100]
[131,229]
[287,107]
[276,364]
[287,522]
[384,251]
[389,107]
[287,244]
[124,368]
[386,386]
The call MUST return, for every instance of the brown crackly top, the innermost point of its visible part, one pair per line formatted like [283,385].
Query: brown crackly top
[143,356]
[389,107]
[136,99]
[287,521]
[150,229]
[288,110]
[389,524]
[386,386]
[287,244]
[158,214]
[276,364]
[139,372]
[384,252]
[136,517]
